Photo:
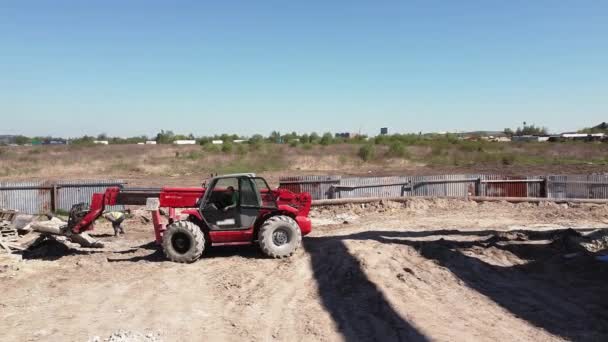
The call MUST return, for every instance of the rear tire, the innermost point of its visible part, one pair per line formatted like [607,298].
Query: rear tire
[279,237]
[183,242]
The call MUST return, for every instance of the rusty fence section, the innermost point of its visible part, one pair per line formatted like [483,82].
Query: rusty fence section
[460,185]
[39,197]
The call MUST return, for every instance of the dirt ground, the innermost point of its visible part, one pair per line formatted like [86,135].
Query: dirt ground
[440,270]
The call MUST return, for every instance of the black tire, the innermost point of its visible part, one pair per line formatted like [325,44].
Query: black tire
[279,237]
[184,242]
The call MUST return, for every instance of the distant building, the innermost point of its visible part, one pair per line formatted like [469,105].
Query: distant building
[7,139]
[239,141]
[496,136]
[572,136]
[56,142]
[217,142]
[346,135]
[101,142]
[529,138]
[150,142]
[496,139]
[384,131]
[184,142]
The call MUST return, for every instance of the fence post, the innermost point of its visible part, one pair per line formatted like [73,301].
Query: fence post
[54,198]
[546,186]
[478,187]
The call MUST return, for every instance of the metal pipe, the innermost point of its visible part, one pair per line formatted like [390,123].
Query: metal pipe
[538,199]
[59,186]
[410,183]
[513,181]
[368,185]
[308,181]
[439,181]
[471,198]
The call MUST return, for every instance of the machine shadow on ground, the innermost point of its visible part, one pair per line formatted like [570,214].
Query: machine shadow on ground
[566,297]
[360,310]
[157,255]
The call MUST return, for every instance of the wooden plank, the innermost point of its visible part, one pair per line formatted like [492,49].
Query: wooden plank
[3,245]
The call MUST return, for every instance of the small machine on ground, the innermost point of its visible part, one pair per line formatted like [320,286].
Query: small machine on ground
[232,209]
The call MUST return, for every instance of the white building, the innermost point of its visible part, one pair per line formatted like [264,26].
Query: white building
[575,135]
[150,142]
[531,138]
[101,142]
[185,142]
[217,142]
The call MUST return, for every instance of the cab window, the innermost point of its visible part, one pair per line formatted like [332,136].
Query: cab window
[268,198]
[249,197]
[224,192]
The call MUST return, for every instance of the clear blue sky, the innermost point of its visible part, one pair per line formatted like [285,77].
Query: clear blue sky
[133,67]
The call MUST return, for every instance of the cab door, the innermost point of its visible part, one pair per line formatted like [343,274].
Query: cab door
[216,205]
[250,203]
[215,201]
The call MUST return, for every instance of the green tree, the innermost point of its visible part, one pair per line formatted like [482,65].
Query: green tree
[165,137]
[22,140]
[397,150]
[275,137]
[227,147]
[85,140]
[531,130]
[327,139]
[367,152]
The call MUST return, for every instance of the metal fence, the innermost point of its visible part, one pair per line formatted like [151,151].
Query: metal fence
[38,197]
[551,186]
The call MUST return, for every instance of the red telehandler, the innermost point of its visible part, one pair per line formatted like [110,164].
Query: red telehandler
[235,209]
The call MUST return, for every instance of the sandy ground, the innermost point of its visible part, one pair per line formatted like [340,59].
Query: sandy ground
[427,270]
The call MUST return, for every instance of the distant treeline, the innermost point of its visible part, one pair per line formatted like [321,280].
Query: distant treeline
[293,138]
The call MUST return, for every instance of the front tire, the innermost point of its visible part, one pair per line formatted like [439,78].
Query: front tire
[183,242]
[279,237]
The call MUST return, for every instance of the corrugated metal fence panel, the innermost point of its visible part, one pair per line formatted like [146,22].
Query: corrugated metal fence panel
[424,186]
[30,200]
[573,186]
[354,187]
[556,186]
[536,189]
[444,185]
[79,191]
[598,187]
[319,187]
[504,189]
[578,186]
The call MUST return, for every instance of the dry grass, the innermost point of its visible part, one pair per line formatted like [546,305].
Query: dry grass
[175,162]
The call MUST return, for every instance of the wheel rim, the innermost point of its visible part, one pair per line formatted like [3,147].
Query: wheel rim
[181,242]
[280,237]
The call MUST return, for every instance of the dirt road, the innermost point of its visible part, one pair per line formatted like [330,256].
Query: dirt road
[433,270]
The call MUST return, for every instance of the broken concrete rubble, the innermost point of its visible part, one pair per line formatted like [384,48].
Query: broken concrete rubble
[52,226]
[19,232]
[85,240]
[59,227]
